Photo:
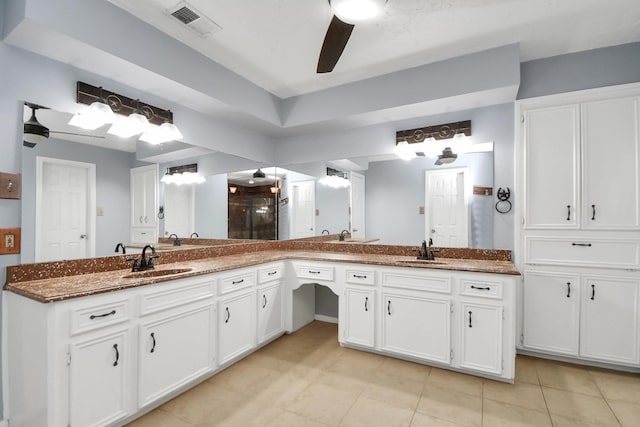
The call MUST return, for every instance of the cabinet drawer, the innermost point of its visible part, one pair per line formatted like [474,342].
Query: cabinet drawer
[583,251]
[314,271]
[361,277]
[177,293]
[269,273]
[100,315]
[479,288]
[418,282]
[239,280]
[143,235]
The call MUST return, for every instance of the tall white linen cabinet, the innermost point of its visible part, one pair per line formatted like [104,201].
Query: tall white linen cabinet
[578,225]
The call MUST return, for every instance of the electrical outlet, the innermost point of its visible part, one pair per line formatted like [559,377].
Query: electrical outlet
[9,240]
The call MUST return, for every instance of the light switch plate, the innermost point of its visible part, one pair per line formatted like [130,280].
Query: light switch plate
[9,241]
[421,210]
[10,185]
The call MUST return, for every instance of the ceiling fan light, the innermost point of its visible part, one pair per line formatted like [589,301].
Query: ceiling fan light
[98,114]
[134,124]
[446,157]
[34,132]
[351,11]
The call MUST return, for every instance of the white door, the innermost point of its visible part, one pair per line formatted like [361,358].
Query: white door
[173,351]
[236,326]
[179,209]
[99,380]
[303,209]
[270,318]
[446,207]
[609,319]
[359,324]
[481,346]
[65,209]
[611,158]
[551,312]
[357,206]
[552,141]
[417,326]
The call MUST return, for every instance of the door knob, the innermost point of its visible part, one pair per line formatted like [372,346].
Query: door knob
[83,236]
[433,231]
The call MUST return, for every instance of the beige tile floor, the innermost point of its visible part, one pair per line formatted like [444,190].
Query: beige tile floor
[307,379]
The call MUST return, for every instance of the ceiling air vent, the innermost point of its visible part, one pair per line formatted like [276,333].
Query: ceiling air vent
[194,19]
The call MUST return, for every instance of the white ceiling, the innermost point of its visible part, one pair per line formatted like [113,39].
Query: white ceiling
[275,43]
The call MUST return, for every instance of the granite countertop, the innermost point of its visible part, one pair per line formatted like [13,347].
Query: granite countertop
[67,286]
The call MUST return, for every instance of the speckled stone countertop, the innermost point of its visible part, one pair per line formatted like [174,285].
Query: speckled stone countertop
[57,281]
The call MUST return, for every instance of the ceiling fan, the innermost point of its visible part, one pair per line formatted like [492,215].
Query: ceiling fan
[35,132]
[346,14]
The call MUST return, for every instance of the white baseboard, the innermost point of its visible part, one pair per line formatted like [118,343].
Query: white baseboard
[4,423]
[321,318]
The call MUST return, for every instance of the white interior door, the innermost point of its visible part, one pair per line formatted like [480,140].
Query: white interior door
[65,207]
[179,209]
[303,209]
[446,208]
[357,206]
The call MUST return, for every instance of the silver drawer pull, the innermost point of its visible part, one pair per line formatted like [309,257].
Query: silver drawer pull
[481,288]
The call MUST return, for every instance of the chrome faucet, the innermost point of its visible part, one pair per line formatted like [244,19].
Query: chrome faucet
[342,233]
[176,241]
[120,246]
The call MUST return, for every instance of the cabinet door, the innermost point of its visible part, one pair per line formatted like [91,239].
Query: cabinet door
[417,326]
[270,318]
[551,167]
[481,335]
[99,379]
[137,198]
[236,326]
[173,351]
[551,312]
[359,322]
[150,196]
[609,323]
[611,154]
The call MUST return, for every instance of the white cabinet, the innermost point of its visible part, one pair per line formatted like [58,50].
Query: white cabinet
[610,319]
[551,311]
[236,325]
[174,349]
[99,378]
[551,169]
[416,325]
[611,159]
[481,337]
[270,315]
[359,321]
[581,165]
[144,204]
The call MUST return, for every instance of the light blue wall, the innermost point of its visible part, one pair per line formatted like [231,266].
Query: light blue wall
[211,216]
[581,70]
[332,205]
[112,192]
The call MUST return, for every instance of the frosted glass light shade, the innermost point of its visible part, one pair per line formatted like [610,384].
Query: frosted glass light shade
[183,178]
[403,151]
[98,114]
[134,124]
[351,11]
[164,133]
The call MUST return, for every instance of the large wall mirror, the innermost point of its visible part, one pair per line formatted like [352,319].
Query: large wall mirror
[285,204]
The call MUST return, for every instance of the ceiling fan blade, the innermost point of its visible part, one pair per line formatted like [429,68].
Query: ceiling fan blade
[335,41]
[78,134]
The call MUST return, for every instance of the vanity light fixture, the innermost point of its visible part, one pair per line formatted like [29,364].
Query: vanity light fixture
[134,124]
[98,114]
[187,174]
[34,132]
[431,141]
[403,151]
[335,179]
[166,132]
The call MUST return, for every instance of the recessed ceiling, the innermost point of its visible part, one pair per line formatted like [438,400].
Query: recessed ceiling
[275,43]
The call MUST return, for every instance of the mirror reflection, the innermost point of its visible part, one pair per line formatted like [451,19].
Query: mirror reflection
[387,201]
